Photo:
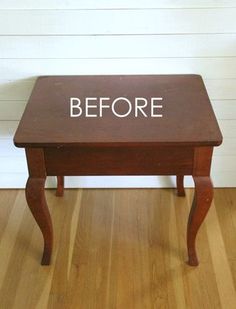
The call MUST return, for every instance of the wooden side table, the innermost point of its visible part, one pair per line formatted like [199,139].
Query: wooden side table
[179,143]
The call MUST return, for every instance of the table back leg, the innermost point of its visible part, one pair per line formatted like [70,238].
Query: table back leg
[180,185]
[60,186]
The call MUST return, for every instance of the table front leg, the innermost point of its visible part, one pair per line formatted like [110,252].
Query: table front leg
[60,186]
[201,203]
[35,197]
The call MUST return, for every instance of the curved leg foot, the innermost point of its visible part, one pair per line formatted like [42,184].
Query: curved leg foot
[180,185]
[201,203]
[37,203]
[60,186]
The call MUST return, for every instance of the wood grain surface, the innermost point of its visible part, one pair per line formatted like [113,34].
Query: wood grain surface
[188,117]
[118,249]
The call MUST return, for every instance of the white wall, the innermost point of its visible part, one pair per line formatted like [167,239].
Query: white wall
[111,37]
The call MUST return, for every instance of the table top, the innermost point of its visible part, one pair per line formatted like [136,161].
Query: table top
[188,117]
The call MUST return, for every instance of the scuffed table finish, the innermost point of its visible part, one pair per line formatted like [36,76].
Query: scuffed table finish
[180,143]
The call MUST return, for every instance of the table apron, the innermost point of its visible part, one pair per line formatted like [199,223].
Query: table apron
[71,161]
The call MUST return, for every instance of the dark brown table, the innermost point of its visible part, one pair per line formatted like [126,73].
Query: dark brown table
[179,143]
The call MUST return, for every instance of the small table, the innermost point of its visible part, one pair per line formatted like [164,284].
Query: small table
[179,143]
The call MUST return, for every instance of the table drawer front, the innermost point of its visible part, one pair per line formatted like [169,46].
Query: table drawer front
[119,161]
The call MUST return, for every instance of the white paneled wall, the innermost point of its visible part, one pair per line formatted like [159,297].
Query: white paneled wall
[117,37]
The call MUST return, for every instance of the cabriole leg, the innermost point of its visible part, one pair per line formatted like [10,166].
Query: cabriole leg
[37,203]
[201,203]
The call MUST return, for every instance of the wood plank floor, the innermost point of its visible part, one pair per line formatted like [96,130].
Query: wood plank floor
[123,248]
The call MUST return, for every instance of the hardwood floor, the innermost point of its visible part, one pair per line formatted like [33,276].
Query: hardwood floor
[122,248]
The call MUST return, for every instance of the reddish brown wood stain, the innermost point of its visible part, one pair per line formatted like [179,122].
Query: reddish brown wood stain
[180,143]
